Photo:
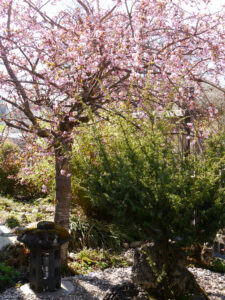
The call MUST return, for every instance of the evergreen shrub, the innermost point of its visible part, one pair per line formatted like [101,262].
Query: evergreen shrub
[137,178]
[8,276]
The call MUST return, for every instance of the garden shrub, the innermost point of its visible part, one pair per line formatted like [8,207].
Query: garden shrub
[8,276]
[39,172]
[138,178]
[12,222]
[218,266]
[9,168]
[12,163]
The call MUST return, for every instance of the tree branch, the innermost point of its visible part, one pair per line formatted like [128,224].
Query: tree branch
[84,6]
[108,14]
[210,83]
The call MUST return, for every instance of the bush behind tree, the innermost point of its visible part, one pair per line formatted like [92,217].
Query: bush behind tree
[9,168]
[13,181]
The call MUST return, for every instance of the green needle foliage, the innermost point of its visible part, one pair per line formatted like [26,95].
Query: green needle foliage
[138,178]
[8,276]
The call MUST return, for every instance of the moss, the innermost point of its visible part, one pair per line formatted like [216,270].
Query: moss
[46,225]
[50,229]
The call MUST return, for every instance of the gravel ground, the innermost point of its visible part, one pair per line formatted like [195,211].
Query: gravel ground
[95,285]
[213,283]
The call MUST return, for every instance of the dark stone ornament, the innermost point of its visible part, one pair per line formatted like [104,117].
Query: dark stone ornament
[45,243]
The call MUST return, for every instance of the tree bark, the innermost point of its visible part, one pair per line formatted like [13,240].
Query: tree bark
[63,192]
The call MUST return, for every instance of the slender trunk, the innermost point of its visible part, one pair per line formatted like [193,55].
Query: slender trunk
[63,193]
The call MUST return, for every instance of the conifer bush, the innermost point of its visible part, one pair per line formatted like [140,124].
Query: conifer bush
[138,178]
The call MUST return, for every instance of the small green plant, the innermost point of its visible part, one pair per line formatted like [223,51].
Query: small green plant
[12,222]
[8,276]
[218,266]
[39,216]
[91,233]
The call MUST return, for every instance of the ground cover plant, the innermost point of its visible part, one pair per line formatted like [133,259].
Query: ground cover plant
[89,260]
[8,276]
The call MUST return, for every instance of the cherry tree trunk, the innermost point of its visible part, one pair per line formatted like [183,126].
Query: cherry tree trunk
[62,195]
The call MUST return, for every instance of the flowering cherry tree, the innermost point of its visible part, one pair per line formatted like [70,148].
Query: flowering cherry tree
[54,70]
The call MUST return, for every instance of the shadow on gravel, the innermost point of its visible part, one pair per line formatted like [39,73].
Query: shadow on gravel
[217,296]
[103,284]
[12,294]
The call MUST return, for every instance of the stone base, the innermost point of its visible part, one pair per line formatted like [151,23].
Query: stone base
[66,289]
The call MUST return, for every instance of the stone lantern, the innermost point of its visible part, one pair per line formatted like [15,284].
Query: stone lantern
[45,243]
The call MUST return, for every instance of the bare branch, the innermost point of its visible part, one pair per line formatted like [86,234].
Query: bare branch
[120,80]
[44,16]
[130,18]
[210,83]
[9,17]
[9,124]
[11,102]
[108,14]
[84,6]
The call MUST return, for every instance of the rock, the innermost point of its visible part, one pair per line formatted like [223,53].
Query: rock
[19,230]
[128,256]
[126,245]
[207,255]
[136,244]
